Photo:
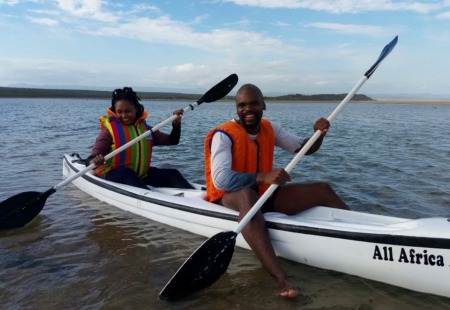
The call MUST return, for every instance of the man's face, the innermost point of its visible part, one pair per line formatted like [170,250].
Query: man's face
[249,108]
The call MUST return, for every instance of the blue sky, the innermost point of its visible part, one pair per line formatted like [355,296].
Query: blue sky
[283,46]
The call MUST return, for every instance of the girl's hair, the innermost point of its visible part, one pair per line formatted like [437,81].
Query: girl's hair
[127,93]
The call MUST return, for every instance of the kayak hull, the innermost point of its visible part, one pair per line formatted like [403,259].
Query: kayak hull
[413,254]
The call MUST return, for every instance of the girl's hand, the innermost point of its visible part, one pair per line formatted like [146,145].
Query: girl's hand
[179,113]
[98,160]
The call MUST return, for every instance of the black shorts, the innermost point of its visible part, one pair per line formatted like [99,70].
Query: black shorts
[268,206]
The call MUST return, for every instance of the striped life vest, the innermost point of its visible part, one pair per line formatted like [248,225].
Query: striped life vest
[248,156]
[137,156]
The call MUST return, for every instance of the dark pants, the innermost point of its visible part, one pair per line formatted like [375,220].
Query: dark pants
[155,177]
[268,206]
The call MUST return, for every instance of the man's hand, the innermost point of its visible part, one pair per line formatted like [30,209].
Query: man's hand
[322,124]
[277,176]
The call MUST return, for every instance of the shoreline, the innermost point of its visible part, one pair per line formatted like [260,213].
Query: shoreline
[412,101]
[271,100]
[382,101]
[29,93]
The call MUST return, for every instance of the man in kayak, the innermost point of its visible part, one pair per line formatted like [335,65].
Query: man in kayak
[124,122]
[238,168]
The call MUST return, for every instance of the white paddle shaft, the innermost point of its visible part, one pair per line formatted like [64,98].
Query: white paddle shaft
[297,158]
[123,147]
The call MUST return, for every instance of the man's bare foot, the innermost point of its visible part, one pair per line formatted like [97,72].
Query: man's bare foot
[288,292]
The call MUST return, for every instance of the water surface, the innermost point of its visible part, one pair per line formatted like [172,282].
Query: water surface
[81,253]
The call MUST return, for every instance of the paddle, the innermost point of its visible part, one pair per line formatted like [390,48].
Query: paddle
[206,265]
[22,208]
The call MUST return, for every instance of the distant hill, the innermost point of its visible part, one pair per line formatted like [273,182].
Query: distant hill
[13,92]
[19,92]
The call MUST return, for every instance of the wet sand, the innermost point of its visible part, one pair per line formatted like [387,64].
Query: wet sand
[412,101]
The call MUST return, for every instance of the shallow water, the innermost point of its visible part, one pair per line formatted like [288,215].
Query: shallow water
[81,253]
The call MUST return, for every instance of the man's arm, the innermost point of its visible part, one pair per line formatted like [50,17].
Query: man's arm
[293,143]
[321,124]
[223,177]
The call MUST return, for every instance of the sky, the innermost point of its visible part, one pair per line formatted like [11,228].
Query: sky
[282,46]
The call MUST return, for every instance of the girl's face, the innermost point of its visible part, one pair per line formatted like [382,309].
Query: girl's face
[125,111]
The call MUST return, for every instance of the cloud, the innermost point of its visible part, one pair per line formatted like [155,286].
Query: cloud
[9,2]
[139,8]
[280,24]
[344,6]
[351,28]
[132,45]
[44,21]
[164,30]
[271,76]
[91,9]
[100,18]
[93,17]
[41,71]
[445,15]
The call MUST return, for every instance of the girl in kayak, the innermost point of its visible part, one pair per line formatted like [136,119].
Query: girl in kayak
[124,122]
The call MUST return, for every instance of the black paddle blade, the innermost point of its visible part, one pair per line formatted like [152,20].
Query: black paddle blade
[204,267]
[220,90]
[20,209]
[386,50]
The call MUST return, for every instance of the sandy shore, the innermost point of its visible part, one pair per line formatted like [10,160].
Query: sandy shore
[386,101]
[412,101]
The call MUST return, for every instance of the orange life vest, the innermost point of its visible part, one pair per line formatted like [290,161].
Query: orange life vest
[248,156]
[137,156]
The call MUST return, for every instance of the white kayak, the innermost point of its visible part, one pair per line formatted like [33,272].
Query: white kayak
[413,254]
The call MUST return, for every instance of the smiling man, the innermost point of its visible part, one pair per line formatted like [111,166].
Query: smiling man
[238,168]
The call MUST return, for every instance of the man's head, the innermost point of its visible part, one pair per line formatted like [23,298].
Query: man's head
[249,107]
